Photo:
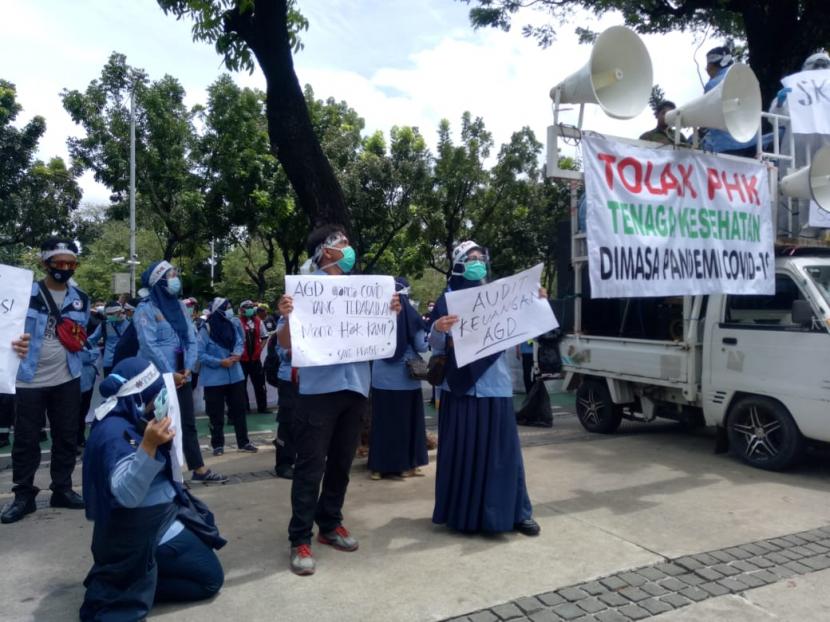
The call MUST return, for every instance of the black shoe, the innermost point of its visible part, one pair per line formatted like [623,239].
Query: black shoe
[284,471]
[17,509]
[67,499]
[528,527]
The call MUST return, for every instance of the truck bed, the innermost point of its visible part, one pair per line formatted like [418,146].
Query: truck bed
[664,363]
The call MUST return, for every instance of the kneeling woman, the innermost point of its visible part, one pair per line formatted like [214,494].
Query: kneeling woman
[480,478]
[152,541]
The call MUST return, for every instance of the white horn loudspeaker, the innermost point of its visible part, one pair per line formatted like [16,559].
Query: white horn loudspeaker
[811,182]
[733,105]
[617,77]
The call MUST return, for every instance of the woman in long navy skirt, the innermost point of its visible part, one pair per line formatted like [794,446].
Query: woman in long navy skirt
[397,441]
[480,482]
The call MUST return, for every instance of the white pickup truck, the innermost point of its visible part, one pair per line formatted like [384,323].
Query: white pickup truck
[757,367]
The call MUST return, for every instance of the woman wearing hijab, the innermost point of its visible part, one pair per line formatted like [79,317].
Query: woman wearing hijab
[166,337]
[397,441]
[148,543]
[220,348]
[480,479]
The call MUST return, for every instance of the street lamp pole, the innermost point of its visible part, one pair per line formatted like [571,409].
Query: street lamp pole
[132,194]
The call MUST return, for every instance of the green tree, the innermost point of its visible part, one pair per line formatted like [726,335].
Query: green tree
[36,198]
[779,34]
[268,31]
[169,192]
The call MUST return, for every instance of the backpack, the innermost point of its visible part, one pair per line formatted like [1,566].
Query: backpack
[127,345]
[271,365]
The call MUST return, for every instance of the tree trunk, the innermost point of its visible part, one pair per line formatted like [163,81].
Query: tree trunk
[290,131]
[171,245]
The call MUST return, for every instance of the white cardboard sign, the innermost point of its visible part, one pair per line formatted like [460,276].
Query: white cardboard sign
[15,291]
[175,414]
[498,315]
[809,101]
[341,319]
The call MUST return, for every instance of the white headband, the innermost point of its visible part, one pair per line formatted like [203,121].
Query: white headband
[134,385]
[159,271]
[113,309]
[62,249]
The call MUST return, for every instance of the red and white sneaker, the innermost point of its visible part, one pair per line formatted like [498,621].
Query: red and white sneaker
[340,539]
[302,561]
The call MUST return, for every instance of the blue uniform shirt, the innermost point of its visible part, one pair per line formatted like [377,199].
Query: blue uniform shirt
[89,371]
[495,382]
[394,375]
[284,371]
[157,340]
[211,354]
[113,334]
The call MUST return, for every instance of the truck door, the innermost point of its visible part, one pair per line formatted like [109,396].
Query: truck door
[757,349]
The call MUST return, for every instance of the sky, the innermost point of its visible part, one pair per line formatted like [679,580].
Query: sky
[396,62]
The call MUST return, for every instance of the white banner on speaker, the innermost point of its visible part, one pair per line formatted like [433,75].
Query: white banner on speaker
[341,319]
[174,411]
[15,291]
[809,101]
[666,222]
[498,315]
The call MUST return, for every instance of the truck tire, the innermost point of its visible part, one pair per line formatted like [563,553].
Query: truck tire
[595,409]
[763,434]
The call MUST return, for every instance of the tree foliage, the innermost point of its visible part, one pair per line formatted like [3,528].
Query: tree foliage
[36,198]
[779,34]
[169,192]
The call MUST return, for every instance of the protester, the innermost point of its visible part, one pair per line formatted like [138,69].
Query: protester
[397,442]
[89,372]
[268,320]
[286,384]
[480,480]
[152,542]
[331,402]
[253,333]
[110,331]
[220,348]
[167,338]
[48,382]
[663,134]
[718,62]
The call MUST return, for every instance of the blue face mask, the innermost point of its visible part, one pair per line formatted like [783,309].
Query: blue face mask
[174,286]
[475,270]
[346,263]
[229,313]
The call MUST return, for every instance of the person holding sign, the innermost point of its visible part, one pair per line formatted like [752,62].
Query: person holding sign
[220,348]
[48,382]
[167,338]
[398,439]
[152,541]
[330,405]
[480,480]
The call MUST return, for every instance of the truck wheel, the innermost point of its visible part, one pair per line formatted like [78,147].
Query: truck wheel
[763,434]
[596,412]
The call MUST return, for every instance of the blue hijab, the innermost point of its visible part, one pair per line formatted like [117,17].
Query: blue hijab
[222,330]
[166,302]
[116,436]
[409,321]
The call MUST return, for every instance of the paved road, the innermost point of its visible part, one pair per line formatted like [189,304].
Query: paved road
[632,523]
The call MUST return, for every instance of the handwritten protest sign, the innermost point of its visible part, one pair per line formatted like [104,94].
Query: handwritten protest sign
[809,101]
[341,319]
[175,413]
[15,291]
[498,315]
[664,222]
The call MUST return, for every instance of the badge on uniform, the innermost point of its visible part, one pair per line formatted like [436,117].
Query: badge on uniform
[77,304]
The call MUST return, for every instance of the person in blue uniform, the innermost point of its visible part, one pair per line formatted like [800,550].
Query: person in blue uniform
[331,402]
[718,62]
[148,543]
[397,440]
[166,337]
[220,348]
[480,478]
[110,331]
